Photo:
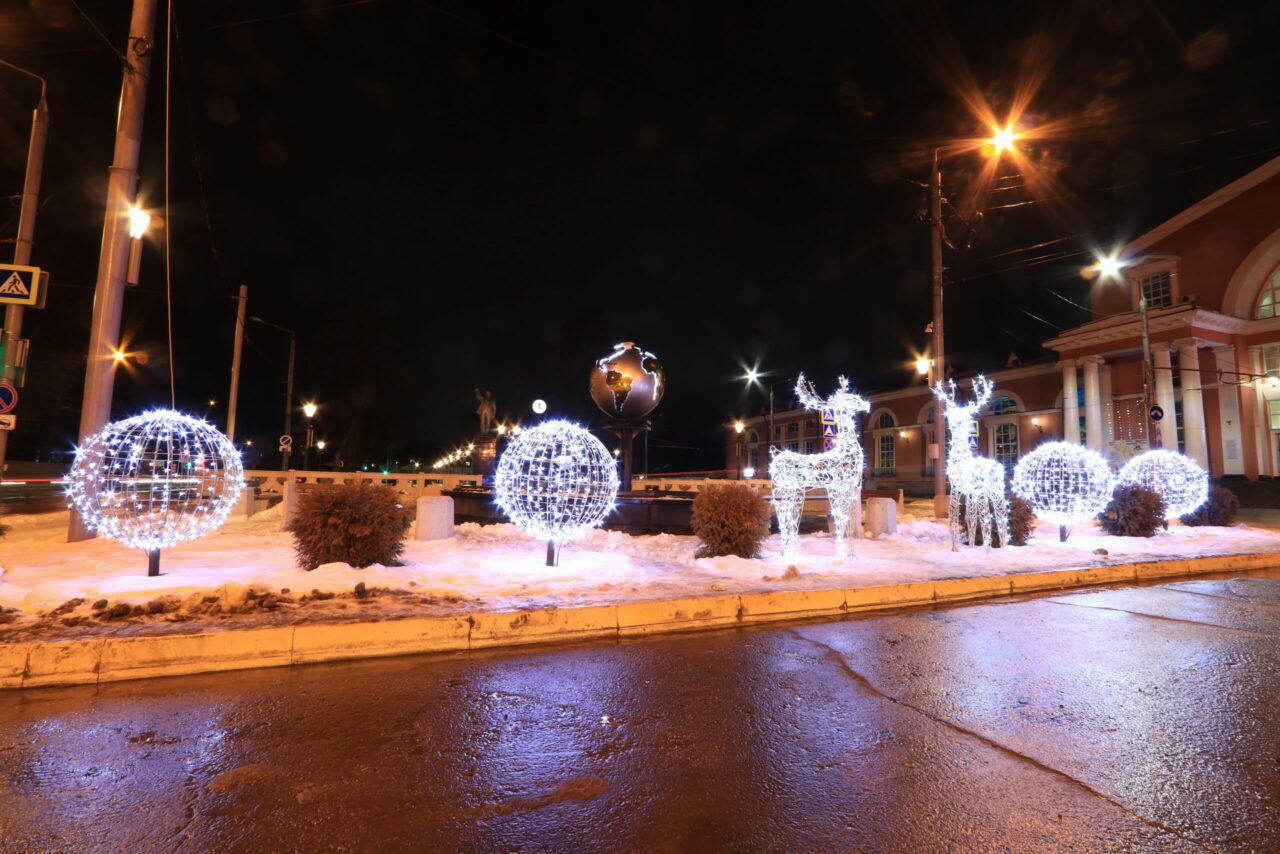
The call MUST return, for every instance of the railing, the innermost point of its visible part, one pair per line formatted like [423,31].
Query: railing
[415,485]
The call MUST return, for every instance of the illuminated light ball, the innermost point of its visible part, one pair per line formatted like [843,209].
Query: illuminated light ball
[556,481]
[1175,477]
[155,479]
[1063,482]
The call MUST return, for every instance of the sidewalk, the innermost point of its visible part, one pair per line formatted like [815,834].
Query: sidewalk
[487,587]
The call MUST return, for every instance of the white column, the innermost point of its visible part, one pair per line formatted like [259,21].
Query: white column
[1108,410]
[1070,402]
[1164,395]
[1229,413]
[1092,404]
[1193,431]
[1261,418]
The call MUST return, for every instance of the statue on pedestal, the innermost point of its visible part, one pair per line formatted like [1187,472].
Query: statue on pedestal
[487,410]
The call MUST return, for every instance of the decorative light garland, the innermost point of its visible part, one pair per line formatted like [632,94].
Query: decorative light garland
[839,469]
[978,480]
[556,481]
[155,479]
[1064,483]
[1175,477]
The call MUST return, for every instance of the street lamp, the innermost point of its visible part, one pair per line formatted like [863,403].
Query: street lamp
[738,427]
[309,410]
[752,377]
[138,222]
[1110,268]
[288,390]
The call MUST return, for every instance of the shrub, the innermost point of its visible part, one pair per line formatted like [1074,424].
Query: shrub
[1134,511]
[359,524]
[1021,520]
[731,519]
[1219,509]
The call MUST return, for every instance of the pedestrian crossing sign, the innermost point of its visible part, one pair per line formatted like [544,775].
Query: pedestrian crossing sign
[19,285]
[829,416]
[828,431]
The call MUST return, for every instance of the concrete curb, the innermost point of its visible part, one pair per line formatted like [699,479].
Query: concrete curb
[36,664]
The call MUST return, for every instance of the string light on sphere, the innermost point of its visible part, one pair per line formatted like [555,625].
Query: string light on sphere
[1175,477]
[155,479]
[1063,482]
[556,481]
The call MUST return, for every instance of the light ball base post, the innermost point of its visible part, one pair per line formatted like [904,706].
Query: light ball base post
[153,563]
[553,552]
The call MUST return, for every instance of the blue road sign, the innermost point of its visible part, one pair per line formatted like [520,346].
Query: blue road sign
[19,285]
[973,443]
[828,431]
[828,444]
[1157,412]
[8,397]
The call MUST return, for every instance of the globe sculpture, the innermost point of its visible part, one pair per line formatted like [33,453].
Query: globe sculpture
[154,480]
[1064,483]
[628,383]
[556,481]
[1176,478]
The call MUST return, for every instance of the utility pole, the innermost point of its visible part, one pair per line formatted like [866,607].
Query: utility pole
[122,189]
[26,237]
[288,401]
[939,372]
[242,302]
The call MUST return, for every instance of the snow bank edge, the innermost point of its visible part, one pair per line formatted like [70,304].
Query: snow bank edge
[39,664]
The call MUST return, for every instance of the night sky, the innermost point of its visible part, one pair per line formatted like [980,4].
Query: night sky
[439,197]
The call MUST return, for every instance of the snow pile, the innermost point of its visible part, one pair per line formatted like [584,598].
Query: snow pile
[497,567]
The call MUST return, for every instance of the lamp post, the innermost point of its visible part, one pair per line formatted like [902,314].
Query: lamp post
[26,235]
[1108,267]
[752,377]
[738,427]
[309,410]
[288,389]
[320,446]
[1001,141]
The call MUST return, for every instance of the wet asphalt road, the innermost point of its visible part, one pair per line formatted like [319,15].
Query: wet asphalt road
[1134,720]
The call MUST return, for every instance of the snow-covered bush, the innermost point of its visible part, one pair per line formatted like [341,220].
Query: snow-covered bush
[1134,511]
[730,519]
[1220,509]
[1022,521]
[359,524]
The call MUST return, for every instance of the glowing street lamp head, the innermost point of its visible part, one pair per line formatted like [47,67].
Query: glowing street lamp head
[752,375]
[309,410]
[1003,140]
[738,426]
[118,356]
[138,221]
[1109,266]
[320,443]
[922,366]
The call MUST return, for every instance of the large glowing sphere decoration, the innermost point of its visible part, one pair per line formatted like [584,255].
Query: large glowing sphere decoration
[155,479]
[628,383]
[556,481]
[1176,478]
[1063,482]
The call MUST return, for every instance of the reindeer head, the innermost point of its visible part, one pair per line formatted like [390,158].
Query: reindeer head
[962,412]
[843,402]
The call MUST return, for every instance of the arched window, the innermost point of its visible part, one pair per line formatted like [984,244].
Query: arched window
[1003,406]
[1268,304]
[886,420]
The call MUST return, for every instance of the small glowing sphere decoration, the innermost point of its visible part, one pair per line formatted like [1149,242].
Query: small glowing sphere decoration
[556,480]
[1063,482]
[1176,478]
[539,406]
[155,479]
[628,383]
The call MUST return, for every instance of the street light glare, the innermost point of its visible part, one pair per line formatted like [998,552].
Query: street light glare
[922,366]
[1109,266]
[309,409]
[118,355]
[1003,139]
[751,375]
[138,221]
[738,426]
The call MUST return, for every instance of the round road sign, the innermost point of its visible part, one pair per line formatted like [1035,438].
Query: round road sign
[286,440]
[1157,412]
[8,397]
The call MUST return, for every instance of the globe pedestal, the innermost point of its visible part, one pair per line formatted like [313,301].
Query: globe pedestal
[486,456]
[626,430]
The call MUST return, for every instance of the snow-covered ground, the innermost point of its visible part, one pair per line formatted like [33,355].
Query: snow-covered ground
[499,568]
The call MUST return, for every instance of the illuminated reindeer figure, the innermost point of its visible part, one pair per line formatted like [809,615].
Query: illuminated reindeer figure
[839,470]
[979,480]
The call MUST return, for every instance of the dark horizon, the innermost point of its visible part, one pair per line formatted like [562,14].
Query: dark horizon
[437,201]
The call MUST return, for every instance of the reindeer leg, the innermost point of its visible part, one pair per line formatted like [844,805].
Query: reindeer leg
[972,513]
[954,520]
[841,499]
[1001,513]
[787,504]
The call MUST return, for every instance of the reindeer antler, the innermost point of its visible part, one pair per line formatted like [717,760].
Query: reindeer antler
[946,392]
[806,395]
[982,388]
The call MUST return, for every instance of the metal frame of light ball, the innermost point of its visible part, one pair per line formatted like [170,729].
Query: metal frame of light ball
[556,481]
[104,484]
[1064,483]
[1176,478]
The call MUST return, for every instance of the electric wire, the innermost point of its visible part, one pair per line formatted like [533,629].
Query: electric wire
[120,56]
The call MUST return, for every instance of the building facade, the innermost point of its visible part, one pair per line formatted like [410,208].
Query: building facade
[1210,277]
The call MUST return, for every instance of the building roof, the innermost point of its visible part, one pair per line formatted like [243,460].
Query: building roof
[1239,187]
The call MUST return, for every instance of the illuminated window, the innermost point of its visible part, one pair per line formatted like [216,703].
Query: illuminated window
[1003,405]
[1006,438]
[888,454]
[1269,298]
[1158,289]
[1273,413]
[886,420]
[1271,360]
